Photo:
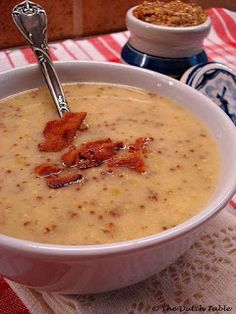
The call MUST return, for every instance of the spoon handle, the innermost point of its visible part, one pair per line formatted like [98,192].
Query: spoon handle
[31,20]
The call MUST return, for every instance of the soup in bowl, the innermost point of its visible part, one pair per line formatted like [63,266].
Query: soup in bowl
[152,161]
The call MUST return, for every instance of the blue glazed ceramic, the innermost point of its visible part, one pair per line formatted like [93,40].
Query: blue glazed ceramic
[217,82]
[189,75]
[174,67]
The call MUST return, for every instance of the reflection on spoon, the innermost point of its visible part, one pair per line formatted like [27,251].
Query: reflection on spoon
[31,20]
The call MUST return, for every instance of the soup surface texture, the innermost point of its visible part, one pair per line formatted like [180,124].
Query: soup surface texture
[181,167]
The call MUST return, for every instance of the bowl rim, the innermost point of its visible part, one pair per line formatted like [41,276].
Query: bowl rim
[56,250]
[155,27]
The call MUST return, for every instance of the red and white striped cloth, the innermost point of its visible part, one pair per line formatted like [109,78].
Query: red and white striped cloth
[220,46]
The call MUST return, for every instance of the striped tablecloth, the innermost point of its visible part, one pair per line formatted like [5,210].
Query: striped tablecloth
[220,46]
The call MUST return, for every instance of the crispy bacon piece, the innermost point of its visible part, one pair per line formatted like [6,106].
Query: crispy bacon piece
[87,163]
[71,157]
[140,144]
[132,160]
[53,144]
[57,182]
[100,150]
[45,170]
[61,133]
[69,121]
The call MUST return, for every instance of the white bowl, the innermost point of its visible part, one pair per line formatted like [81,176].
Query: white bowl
[165,41]
[97,268]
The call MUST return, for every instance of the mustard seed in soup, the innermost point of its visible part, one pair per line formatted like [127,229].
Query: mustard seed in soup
[108,201]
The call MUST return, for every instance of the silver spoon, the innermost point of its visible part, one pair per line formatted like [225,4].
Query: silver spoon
[31,20]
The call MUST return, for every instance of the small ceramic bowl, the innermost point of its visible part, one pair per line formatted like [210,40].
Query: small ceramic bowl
[165,41]
[165,45]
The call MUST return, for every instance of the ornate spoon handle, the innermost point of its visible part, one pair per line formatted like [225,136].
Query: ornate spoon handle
[30,18]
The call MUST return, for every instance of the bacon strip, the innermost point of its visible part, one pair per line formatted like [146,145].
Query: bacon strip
[140,144]
[133,161]
[57,182]
[100,150]
[61,133]
[70,158]
[135,157]
[45,170]
[86,163]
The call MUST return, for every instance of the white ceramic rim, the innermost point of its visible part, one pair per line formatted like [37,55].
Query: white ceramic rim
[54,250]
[171,29]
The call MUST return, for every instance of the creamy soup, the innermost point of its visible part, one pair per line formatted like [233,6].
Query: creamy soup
[110,203]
